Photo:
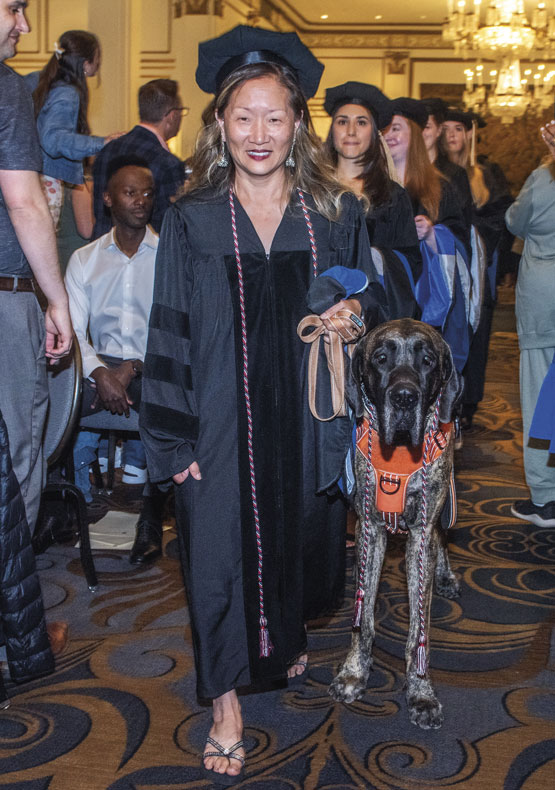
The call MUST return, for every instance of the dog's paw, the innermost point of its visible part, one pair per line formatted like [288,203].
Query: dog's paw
[425,712]
[347,687]
[447,585]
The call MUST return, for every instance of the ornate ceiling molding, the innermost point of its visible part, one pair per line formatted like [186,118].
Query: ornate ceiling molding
[386,40]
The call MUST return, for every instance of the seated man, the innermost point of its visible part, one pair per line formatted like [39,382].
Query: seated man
[110,283]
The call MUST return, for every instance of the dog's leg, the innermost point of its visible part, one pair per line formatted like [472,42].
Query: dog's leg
[447,584]
[424,707]
[350,682]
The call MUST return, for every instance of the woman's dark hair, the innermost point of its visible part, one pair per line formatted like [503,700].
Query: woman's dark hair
[77,46]
[375,177]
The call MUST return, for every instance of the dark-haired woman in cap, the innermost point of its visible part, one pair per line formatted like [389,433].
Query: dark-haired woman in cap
[359,156]
[225,411]
[440,225]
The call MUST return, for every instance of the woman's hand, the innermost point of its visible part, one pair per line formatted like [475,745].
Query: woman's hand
[425,230]
[348,325]
[192,470]
[113,136]
[548,136]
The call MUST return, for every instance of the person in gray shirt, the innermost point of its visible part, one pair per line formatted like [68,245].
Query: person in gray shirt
[28,244]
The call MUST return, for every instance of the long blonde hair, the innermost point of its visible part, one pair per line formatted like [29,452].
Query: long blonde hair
[478,187]
[312,173]
[422,179]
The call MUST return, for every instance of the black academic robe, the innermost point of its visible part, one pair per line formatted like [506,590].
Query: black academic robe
[391,229]
[458,177]
[489,221]
[193,408]
[450,214]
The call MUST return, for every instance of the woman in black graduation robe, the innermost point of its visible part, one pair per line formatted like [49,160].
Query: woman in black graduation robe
[357,153]
[490,200]
[216,288]
[192,392]
[441,227]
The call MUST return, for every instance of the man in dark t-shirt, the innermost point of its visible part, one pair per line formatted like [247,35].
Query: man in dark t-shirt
[28,247]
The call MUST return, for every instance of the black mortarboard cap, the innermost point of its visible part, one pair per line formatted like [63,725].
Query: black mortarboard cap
[436,107]
[356,93]
[244,45]
[480,122]
[408,108]
[459,116]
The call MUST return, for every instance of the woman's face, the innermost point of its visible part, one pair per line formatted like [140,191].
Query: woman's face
[431,133]
[90,67]
[352,128]
[455,136]
[258,126]
[397,137]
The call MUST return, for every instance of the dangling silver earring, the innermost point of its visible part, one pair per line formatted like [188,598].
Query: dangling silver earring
[290,161]
[223,160]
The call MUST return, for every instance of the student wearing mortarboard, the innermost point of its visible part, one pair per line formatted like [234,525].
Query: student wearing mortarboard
[360,158]
[224,411]
[490,201]
[442,290]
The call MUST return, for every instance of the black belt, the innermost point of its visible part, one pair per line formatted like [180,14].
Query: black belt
[14,284]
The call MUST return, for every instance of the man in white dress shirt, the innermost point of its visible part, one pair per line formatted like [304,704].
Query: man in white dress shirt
[110,283]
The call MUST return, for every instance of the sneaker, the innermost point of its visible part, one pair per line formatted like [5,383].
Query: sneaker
[133,475]
[540,515]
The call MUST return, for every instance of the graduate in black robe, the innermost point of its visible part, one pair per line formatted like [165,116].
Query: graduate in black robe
[441,227]
[357,152]
[490,200]
[225,409]
[438,110]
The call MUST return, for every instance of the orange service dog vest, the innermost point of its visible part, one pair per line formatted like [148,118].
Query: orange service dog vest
[394,466]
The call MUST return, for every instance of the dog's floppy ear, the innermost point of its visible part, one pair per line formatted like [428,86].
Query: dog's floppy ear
[353,372]
[452,385]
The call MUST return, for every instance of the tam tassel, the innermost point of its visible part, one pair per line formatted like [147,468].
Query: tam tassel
[421,661]
[359,601]
[266,646]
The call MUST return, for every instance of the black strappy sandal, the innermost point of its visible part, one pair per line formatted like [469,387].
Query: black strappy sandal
[224,779]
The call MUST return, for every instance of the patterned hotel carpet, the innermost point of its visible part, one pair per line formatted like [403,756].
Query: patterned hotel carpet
[120,712]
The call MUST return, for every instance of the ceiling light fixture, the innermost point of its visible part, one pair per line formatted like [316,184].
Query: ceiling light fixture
[506,36]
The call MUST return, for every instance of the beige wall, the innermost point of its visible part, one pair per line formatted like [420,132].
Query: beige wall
[143,39]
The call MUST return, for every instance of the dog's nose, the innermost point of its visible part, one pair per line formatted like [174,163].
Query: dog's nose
[404,398]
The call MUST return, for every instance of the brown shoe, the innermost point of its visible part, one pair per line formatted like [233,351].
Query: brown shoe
[58,634]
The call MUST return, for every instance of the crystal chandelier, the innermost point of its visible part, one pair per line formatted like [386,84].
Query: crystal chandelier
[506,37]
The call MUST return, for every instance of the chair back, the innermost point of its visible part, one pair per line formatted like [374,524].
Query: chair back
[64,392]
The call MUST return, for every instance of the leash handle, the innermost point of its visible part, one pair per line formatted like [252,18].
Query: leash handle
[336,366]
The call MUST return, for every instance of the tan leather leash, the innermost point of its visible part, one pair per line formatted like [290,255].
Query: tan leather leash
[335,357]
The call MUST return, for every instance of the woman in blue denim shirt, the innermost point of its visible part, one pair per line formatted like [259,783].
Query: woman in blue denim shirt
[61,99]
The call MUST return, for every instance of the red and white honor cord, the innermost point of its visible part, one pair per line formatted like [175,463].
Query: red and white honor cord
[266,646]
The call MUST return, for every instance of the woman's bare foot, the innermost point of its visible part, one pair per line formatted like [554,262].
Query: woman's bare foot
[227,729]
[298,666]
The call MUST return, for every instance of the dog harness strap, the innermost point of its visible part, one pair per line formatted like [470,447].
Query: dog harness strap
[266,646]
[394,466]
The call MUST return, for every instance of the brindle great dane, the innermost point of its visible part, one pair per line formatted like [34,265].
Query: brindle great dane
[400,367]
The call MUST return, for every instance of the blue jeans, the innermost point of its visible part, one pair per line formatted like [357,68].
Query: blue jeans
[89,444]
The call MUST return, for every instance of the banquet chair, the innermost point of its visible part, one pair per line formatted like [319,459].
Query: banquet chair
[64,389]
